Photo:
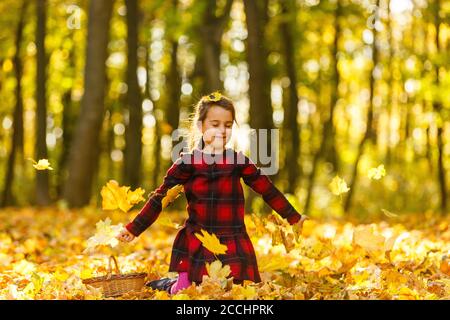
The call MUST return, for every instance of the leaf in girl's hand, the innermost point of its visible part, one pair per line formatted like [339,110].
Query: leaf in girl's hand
[377,173]
[42,164]
[105,235]
[211,242]
[171,195]
[338,186]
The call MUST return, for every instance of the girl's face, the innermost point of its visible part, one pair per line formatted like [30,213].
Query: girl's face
[217,126]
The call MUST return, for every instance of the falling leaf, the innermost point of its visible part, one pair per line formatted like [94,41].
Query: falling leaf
[135,196]
[105,235]
[117,197]
[377,173]
[42,164]
[217,271]
[171,195]
[389,214]
[211,242]
[338,186]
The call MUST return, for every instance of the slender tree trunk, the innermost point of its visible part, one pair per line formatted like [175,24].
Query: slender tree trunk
[290,124]
[369,120]
[173,80]
[330,153]
[261,111]
[327,150]
[211,32]
[389,99]
[84,151]
[133,133]
[17,136]
[67,126]
[437,106]
[42,181]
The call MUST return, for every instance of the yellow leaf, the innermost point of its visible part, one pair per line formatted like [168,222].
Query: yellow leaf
[171,195]
[166,222]
[389,214]
[377,173]
[211,242]
[86,273]
[217,271]
[42,164]
[60,275]
[135,196]
[365,237]
[181,296]
[115,197]
[105,235]
[338,186]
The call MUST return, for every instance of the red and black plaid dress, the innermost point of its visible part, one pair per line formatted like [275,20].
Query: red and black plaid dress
[216,204]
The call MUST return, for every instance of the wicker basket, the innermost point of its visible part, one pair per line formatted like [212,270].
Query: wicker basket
[117,284]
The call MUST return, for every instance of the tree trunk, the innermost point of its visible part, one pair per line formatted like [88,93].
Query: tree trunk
[84,151]
[211,32]
[437,106]
[369,120]
[330,153]
[290,124]
[133,133]
[389,99]
[17,135]
[261,111]
[67,126]
[327,150]
[173,80]
[42,183]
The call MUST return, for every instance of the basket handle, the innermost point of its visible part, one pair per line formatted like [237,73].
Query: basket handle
[112,258]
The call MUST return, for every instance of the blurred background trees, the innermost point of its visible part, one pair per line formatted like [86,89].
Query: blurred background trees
[97,87]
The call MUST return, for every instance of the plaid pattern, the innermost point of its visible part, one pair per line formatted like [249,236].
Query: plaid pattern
[216,204]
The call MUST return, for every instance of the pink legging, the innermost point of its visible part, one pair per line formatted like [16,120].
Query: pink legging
[182,283]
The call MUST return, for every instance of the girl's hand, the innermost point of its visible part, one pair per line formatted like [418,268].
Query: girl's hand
[125,235]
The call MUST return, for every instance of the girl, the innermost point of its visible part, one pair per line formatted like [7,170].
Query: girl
[211,177]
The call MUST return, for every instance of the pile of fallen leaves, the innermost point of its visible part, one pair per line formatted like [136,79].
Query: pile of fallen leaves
[43,256]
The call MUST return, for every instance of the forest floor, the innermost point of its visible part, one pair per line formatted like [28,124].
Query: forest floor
[42,256]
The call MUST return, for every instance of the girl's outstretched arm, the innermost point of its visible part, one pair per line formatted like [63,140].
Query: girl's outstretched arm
[260,183]
[178,173]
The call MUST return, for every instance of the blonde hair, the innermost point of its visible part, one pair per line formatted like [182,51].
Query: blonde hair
[194,135]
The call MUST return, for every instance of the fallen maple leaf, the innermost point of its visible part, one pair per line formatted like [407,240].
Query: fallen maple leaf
[211,242]
[365,237]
